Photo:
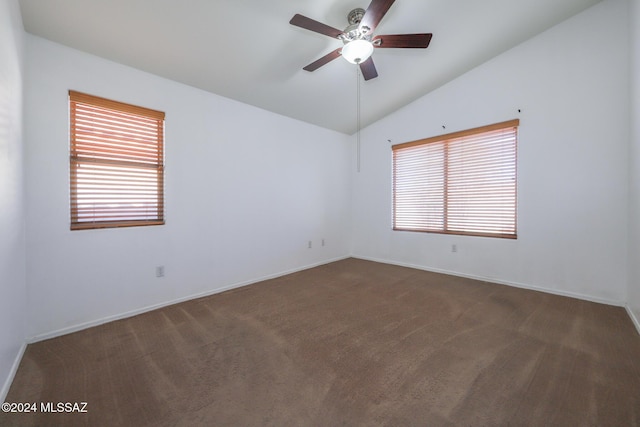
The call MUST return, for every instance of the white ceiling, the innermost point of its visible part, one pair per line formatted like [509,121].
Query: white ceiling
[247,50]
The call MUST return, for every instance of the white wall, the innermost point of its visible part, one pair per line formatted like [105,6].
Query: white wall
[12,228]
[571,84]
[246,190]
[634,194]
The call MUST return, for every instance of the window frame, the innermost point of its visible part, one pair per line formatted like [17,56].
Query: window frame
[121,147]
[461,137]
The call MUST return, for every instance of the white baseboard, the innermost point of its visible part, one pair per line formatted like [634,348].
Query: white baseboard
[633,317]
[12,373]
[92,323]
[52,334]
[499,282]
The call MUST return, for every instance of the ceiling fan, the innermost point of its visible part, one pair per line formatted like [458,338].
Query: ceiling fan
[358,38]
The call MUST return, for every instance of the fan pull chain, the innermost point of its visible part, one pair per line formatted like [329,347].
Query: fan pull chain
[358,119]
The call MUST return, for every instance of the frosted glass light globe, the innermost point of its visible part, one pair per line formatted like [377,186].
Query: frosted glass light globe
[357,51]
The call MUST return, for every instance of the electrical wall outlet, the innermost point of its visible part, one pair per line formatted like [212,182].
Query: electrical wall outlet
[322,242]
[309,244]
[160,271]
[454,248]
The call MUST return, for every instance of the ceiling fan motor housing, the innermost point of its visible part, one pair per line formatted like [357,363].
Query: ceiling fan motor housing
[355,16]
[353,32]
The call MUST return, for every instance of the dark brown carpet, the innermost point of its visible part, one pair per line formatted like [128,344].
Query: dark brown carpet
[349,343]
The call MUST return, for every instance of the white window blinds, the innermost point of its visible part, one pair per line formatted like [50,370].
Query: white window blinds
[460,183]
[116,163]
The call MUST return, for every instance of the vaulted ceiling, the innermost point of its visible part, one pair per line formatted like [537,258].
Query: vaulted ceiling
[246,49]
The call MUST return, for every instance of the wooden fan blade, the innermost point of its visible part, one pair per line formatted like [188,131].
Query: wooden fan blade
[368,69]
[324,60]
[312,25]
[418,41]
[374,14]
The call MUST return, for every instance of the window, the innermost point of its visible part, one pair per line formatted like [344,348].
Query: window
[460,183]
[116,163]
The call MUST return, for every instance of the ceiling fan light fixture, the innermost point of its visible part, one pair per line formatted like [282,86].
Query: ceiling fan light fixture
[358,38]
[357,51]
